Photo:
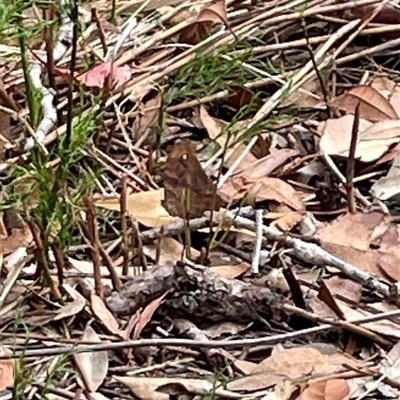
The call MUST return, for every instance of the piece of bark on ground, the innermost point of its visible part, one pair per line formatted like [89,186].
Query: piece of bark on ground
[199,293]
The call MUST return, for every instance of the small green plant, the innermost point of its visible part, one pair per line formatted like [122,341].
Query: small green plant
[206,74]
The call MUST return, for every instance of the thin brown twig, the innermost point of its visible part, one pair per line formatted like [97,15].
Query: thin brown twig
[93,236]
[124,227]
[106,259]
[60,262]
[241,343]
[351,161]
[102,37]
[339,323]
[136,239]
[42,269]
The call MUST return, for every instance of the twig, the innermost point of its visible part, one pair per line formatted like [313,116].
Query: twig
[59,260]
[96,18]
[124,228]
[339,323]
[255,262]
[322,84]
[93,236]
[329,162]
[313,254]
[351,161]
[43,269]
[270,340]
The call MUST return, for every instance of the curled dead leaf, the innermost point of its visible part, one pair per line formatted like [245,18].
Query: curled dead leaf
[208,17]
[147,314]
[374,106]
[105,315]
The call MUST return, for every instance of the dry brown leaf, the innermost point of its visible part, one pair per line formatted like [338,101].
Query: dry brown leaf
[245,367]
[86,267]
[144,388]
[277,190]
[388,186]
[18,238]
[265,166]
[255,381]
[145,207]
[374,106]
[105,315]
[265,189]
[94,365]
[282,391]
[169,250]
[188,190]
[373,139]
[336,134]
[206,19]
[292,363]
[377,139]
[332,389]
[326,296]
[147,121]
[372,228]
[236,151]
[6,370]
[146,315]
[231,271]
[389,252]
[287,219]
[383,84]
[147,388]
[347,288]
[240,96]
[319,307]
[214,126]
[296,362]
[21,235]
[389,14]
[215,12]
[70,309]
[389,264]
[383,327]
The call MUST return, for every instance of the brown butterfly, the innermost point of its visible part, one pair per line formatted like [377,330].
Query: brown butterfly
[188,190]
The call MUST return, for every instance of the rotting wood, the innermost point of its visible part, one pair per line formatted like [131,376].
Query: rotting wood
[202,295]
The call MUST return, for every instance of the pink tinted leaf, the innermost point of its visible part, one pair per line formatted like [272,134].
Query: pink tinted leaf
[97,76]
